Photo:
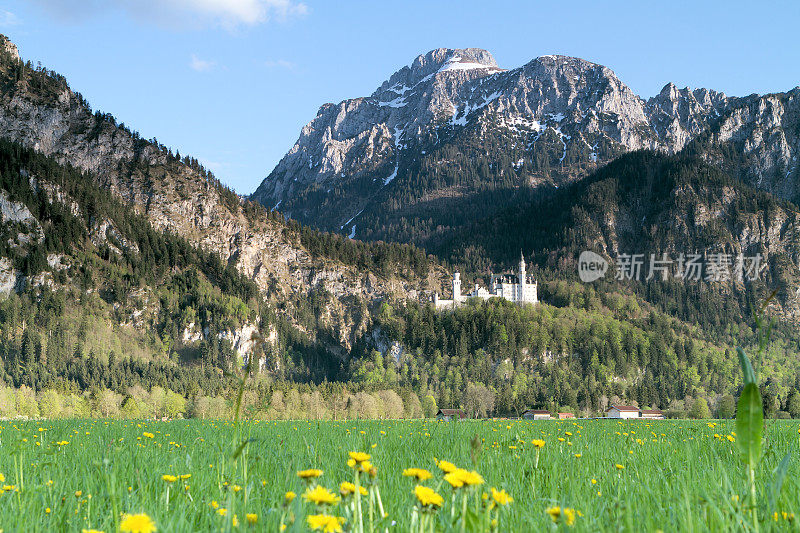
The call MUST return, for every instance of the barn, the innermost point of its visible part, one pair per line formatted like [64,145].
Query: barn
[623,411]
[450,414]
[653,414]
[536,414]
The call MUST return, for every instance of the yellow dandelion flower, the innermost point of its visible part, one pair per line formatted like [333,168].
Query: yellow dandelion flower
[554,512]
[420,473]
[311,473]
[185,476]
[538,443]
[427,496]
[569,515]
[252,518]
[465,477]
[289,496]
[455,481]
[447,466]
[346,488]
[78,493]
[222,511]
[359,457]
[320,496]
[366,466]
[214,504]
[619,466]
[84,530]
[501,497]
[169,478]
[148,435]
[325,523]
[137,523]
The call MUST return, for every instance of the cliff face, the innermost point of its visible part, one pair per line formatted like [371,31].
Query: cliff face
[39,110]
[455,125]
[758,141]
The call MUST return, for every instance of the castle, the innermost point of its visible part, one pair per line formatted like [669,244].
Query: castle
[517,288]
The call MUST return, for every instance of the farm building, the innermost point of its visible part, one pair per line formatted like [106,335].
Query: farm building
[451,414]
[562,416]
[653,414]
[623,411]
[536,414]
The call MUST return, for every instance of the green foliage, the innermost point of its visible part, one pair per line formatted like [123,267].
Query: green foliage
[700,409]
[535,356]
[726,408]
[749,423]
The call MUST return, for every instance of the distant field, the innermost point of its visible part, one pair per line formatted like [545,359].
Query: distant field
[675,475]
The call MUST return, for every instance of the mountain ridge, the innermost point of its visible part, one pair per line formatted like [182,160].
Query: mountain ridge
[354,167]
[39,110]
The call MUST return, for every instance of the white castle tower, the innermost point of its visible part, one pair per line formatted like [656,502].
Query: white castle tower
[523,278]
[457,296]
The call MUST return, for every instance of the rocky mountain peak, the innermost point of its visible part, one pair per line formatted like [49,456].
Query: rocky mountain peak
[440,57]
[441,60]
[8,48]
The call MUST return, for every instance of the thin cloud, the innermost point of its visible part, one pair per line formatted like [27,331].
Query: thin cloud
[9,19]
[279,63]
[228,14]
[201,65]
[213,166]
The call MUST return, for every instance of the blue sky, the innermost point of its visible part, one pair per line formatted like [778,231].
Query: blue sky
[233,81]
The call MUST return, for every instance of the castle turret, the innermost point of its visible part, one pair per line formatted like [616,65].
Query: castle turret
[457,287]
[523,277]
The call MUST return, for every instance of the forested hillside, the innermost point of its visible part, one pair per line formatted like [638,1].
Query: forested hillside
[89,282]
[290,266]
[648,203]
[582,350]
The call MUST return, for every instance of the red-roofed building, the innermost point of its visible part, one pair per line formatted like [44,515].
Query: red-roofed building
[653,414]
[451,414]
[562,416]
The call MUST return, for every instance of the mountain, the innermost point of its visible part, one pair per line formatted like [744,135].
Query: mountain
[646,203]
[291,266]
[453,138]
[127,266]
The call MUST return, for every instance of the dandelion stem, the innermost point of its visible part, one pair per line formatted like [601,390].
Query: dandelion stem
[464,512]
[359,517]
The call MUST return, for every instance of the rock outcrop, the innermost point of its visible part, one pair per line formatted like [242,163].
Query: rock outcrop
[556,117]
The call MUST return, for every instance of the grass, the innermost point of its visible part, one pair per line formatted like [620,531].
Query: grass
[676,475]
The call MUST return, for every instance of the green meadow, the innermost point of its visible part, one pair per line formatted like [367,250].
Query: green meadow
[584,475]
